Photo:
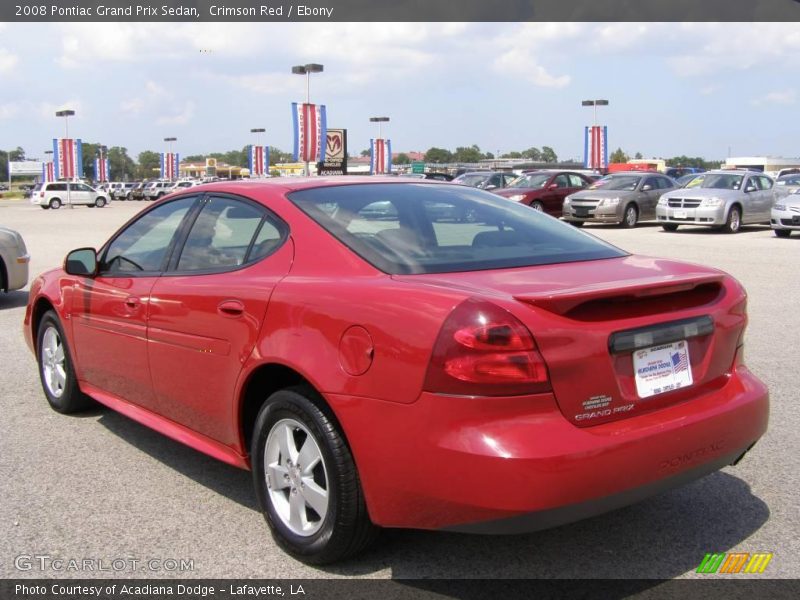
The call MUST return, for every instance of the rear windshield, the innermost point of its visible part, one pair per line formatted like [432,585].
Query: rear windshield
[411,228]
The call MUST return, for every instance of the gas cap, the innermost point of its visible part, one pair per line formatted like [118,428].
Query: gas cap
[356,350]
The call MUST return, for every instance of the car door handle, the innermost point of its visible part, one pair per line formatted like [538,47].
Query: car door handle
[132,302]
[231,308]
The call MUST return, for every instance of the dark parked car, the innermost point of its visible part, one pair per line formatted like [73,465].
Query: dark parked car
[485,180]
[545,190]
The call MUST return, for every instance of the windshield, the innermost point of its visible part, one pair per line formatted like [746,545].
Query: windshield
[722,181]
[423,228]
[472,180]
[530,181]
[617,182]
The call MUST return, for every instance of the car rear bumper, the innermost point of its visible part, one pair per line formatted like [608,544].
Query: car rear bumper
[509,465]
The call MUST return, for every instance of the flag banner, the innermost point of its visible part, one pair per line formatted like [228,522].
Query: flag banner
[101,169]
[48,172]
[595,147]
[310,132]
[380,161]
[259,161]
[170,163]
[68,158]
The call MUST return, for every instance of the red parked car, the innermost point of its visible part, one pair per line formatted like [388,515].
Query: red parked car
[545,190]
[501,374]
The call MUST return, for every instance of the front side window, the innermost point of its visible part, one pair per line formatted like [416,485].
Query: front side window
[222,234]
[143,245]
[418,228]
[576,181]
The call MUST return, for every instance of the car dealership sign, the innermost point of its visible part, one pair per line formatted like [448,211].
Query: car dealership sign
[25,167]
[335,153]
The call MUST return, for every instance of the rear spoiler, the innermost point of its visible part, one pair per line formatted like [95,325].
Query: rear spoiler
[563,301]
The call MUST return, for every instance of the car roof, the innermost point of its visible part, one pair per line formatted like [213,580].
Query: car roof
[293,184]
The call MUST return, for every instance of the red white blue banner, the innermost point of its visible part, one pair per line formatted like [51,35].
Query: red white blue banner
[259,161]
[170,165]
[67,158]
[310,132]
[101,169]
[595,147]
[380,156]
[48,172]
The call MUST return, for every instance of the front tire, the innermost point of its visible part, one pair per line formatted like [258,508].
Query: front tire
[100,202]
[306,480]
[734,221]
[669,226]
[56,372]
[782,233]
[536,205]
[630,217]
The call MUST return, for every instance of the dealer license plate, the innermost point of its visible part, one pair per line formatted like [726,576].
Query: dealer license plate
[661,369]
[680,214]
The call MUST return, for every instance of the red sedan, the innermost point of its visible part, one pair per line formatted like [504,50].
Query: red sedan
[499,375]
[545,190]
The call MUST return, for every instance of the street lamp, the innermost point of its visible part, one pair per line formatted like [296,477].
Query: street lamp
[169,140]
[257,131]
[379,120]
[595,104]
[67,113]
[307,70]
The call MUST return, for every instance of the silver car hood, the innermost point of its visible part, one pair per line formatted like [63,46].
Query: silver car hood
[699,192]
[791,201]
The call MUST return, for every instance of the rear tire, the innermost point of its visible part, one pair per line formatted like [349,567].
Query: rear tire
[56,372]
[55,203]
[782,233]
[669,227]
[734,221]
[306,480]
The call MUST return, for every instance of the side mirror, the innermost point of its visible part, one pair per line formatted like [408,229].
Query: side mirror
[750,188]
[647,188]
[490,187]
[552,186]
[82,261]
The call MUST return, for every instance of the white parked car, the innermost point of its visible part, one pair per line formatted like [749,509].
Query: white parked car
[56,194]
[785,215]
[156,189]
[14,260]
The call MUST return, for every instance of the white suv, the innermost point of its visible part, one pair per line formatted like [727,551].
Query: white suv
[56,194]
[157,189]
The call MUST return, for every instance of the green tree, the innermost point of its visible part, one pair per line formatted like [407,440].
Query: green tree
[638,155]
[365,153]
[488,155]
[120,165]
[401,159]
[276,155]
[549,155]
[618,156]
[5,157]
[532,153]
[513,154]
[149,163]
[438,155]
[468,155]
[194,158]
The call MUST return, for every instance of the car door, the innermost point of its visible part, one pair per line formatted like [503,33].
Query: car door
[78,193]
[110,310]
[555,192]
[648,198]
[767,197]
[206,312]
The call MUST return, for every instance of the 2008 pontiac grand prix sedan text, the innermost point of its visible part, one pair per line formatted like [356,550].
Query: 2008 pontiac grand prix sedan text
[499,374]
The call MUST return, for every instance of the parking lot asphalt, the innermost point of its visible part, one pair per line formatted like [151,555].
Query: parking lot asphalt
[101,487]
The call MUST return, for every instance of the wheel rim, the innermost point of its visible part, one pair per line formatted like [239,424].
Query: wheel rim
[537,206]
[296,476]
[54,367]
[734,220]
[630,216]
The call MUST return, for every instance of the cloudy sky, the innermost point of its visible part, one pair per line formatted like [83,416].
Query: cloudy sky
[696,89]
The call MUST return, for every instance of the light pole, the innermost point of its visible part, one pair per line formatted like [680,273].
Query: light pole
[307,70]
[258,131]
[169,141]
[67,113]
[594,104]
[380,121]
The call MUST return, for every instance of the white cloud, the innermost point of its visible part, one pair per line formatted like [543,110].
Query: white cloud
[785,97]
[7,61]
[180,118]
[8,111]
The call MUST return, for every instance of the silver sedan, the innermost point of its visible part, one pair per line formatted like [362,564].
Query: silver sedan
[625,198]
[14,259]
[785,215]
[726,199]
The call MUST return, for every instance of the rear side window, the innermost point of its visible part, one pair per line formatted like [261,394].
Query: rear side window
[57,187]
[227,234]
[429,228]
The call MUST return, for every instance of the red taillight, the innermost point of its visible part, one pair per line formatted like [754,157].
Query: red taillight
[484,350]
